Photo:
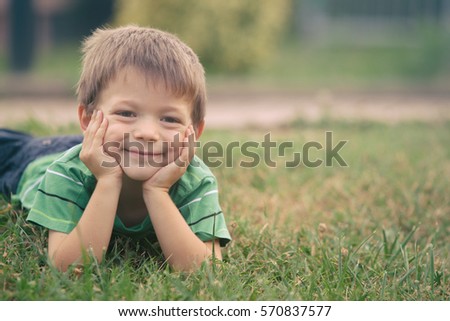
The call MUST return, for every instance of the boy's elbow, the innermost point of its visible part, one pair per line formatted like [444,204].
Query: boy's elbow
[63,263]
[193,264]
[58,264]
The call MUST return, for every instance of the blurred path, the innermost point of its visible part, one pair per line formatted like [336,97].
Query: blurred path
[263,109]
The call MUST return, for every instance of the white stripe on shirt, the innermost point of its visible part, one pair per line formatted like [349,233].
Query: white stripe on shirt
[29,189]
[211,192]
[62,175]
[200,198]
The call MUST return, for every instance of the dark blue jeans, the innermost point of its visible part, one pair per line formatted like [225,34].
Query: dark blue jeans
[18,149]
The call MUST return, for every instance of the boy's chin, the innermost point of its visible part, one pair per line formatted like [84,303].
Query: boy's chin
[139,174]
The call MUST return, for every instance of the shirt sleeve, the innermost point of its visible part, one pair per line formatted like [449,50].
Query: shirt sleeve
[60,199]
[202,212]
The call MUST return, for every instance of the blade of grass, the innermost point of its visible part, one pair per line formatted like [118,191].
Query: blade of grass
[402,245]
[431,269]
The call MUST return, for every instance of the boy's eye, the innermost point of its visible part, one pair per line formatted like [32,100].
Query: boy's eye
[170,120]
[126,113]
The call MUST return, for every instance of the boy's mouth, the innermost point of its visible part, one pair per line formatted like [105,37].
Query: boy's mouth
[137,152]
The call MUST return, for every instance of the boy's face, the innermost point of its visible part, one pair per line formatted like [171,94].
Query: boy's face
[144,120]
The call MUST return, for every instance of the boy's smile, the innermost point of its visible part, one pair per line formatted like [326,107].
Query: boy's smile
[144,118]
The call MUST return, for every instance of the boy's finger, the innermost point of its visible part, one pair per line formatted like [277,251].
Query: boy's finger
[95,132]
[192,139]
[183,158]
[90,127]
[100,133]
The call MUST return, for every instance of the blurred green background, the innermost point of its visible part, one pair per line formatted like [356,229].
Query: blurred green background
[294,44]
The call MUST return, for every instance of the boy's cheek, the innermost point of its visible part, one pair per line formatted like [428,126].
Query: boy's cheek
[173,155]
[112,148]
[178,136]
[114,132]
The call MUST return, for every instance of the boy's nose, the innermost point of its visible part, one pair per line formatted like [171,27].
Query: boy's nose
[147,131]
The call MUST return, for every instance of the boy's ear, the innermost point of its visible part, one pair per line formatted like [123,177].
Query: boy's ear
[199,129]
[83,117]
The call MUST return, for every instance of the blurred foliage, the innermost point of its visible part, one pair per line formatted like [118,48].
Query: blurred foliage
[260,44]
[233,35]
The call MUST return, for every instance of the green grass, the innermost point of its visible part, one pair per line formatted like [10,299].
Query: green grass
[376,230]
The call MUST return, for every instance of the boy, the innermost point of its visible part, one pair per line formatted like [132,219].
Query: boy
[141,107]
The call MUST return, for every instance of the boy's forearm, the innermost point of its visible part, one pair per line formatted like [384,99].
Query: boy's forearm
[181,247]
[93,231]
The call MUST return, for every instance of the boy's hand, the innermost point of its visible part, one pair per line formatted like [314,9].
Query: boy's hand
[92,152]
[166,176]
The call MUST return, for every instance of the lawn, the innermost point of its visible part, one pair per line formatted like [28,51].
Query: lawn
[377,229]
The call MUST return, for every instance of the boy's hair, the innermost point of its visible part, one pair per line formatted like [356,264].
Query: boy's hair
[159,55]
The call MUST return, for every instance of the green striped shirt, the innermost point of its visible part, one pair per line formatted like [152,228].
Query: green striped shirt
[57,189]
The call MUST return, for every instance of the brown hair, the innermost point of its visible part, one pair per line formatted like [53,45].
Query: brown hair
[159,55]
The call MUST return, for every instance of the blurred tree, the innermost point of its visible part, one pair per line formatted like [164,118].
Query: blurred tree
[21,49]
[83,17]
[233,35]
